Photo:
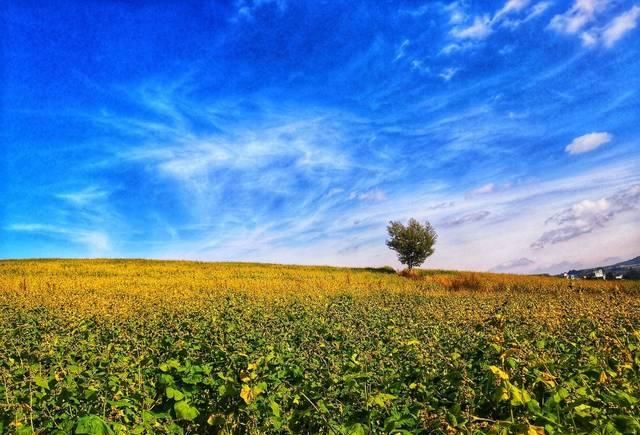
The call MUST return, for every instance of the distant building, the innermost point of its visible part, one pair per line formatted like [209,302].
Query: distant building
[619,276]
[599,274]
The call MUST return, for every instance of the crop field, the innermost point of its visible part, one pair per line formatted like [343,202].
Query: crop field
[128,346]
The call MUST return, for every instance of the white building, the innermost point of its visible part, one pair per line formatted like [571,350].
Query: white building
[599,274]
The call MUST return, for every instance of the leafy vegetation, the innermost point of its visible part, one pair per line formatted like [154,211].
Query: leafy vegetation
[413,243]
[95,347]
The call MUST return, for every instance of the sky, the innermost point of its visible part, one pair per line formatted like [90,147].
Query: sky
[294,131]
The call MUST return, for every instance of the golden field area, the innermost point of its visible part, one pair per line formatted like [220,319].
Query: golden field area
[132,346]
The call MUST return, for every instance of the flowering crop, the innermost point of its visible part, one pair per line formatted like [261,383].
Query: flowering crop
[131,346]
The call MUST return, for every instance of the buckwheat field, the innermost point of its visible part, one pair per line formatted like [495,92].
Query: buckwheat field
[146,347]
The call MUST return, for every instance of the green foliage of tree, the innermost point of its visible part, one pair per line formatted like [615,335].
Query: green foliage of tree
[413,242]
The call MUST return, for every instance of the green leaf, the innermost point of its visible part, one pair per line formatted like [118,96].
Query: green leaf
[259,388]
[171,364]
[534,406]
[275,408]
[626,399]
[166,379]
[626,424]
[215,420]
[381,399]
[322,407]
[519,397]
[499,373]
[174,394]
[185,411]
[41,382]
[584,410]
[92,425]
[356,429]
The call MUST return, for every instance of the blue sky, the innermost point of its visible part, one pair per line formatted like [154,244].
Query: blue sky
[281,131]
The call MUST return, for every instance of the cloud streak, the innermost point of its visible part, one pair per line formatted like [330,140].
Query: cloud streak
[513,265]
[97,242]
[585,20]
[588,142]
[587,216]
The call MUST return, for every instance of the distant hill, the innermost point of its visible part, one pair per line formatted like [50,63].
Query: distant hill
[629,269]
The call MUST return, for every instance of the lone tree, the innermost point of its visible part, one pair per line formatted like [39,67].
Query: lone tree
[413,243]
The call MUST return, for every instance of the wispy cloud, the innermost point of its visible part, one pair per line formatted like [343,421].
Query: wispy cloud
[96,242]
[578,16]
[558,268]
[588,142]
[620,25]
[479,29]
[486,188]
[588,215]
[467,218]
[455,47]
[418,65]
[448,73]
[584,20]
[246,9]
[509,7]
[535,11]
[456,12]
[482,26]
[401,51]
[609,34]
[513,265]
[370,195]
[85,196]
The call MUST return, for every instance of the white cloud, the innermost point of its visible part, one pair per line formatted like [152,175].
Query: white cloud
[533,12]
[620,25]
[589,39]
[451,48]
[487,188]
[588,215]
[538,9]
[97,242]
[401,51]
[513,265]
[480,29]
[245,9]
[456,13]
[448,73]
[84,197]
[509,7]
[418,65]
[588,142]
[467,218]
[558,268]
[578,16]
[613,31]
[456,47]
[370,195]
[483,26]
[251,160]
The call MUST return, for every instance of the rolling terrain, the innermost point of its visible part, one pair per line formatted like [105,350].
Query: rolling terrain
[629,269]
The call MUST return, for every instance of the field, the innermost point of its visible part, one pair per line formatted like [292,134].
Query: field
[129,346]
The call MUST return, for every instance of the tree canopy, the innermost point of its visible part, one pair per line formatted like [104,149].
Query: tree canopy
[413,242]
